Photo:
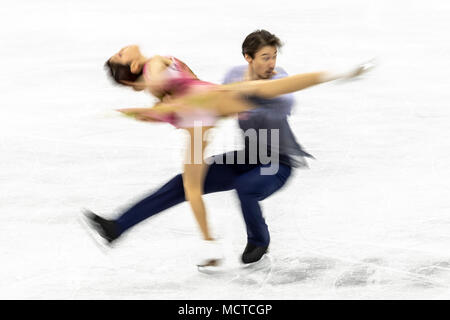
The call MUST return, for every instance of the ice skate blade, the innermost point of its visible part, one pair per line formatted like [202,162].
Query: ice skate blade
[210,263]
[264,260]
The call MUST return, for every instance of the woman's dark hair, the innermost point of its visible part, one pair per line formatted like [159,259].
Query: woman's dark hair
[258,39]
[121,72]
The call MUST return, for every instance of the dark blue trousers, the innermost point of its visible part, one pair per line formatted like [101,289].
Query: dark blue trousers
[250,185]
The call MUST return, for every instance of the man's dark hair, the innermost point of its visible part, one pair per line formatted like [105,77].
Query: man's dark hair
[258,39]
[121,72]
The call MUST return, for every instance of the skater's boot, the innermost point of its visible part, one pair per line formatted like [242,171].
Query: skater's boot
[253,253]
[107,229]
[209,254]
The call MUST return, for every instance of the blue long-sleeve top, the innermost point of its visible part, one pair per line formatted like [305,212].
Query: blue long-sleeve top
[271,114]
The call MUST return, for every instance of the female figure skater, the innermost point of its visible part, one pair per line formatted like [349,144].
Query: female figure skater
[187,102]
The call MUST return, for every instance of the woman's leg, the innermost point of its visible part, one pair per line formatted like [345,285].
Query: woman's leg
[225,99]
[193,178]
[273,88]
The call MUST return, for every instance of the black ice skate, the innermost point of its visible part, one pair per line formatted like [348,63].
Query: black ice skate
[253,253]
[107,229]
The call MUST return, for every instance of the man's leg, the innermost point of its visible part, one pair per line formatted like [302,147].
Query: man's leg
[169,195]
[165,197]
[220,177]
[253,187]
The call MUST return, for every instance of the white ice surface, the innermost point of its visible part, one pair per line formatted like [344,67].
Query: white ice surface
[368,220]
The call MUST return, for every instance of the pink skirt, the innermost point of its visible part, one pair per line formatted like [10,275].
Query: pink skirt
[188,117]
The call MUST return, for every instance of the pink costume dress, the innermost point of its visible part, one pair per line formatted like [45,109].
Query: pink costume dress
[178,81]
